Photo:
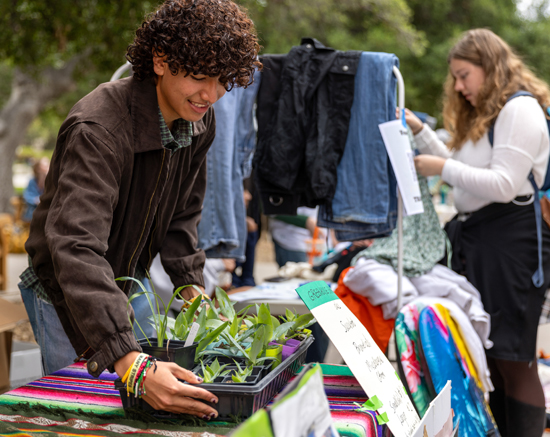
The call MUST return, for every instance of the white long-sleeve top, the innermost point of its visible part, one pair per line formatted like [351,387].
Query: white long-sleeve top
[481,174]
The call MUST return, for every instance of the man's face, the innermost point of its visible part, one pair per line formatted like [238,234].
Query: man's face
[181,96]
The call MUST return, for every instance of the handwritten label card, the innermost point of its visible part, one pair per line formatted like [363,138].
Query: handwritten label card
[396,140]
[365,359]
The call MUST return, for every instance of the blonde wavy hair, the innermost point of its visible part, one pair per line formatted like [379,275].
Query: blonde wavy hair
[505,73]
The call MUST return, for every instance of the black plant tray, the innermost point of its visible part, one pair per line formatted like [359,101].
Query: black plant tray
[172,351]
[235,400]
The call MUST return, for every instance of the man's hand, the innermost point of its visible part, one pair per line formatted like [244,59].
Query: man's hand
[429,165]
[230,264]
[165,392]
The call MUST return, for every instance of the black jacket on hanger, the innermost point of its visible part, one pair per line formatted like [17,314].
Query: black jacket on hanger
[304,108]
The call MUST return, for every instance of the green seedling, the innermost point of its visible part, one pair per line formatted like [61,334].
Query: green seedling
[213,371]
[160,320]
[240,375]
[300,323]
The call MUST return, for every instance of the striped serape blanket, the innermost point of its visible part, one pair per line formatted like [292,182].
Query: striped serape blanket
[87,403]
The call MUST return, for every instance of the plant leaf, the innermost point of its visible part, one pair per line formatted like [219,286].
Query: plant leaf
[201,320]
[301,321]
[281,330]
[257,344]
[214,323]
[209,338]
[181,327]
[234,329]
[264,317]
[190,312]
[226,305]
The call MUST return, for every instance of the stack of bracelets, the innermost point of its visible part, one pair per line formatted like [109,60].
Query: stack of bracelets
[136,374]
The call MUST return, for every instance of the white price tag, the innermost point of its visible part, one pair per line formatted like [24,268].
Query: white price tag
[192,334]
[401,156]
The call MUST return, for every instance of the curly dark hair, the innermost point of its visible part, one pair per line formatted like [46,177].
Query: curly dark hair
[210,37]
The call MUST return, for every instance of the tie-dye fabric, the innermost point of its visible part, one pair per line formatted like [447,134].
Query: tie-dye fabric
[407,340]
[445,363]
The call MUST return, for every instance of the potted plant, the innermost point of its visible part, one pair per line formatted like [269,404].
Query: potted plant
[169,344]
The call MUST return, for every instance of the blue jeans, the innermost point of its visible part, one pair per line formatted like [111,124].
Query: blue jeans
[222,229]
[365,201]
[363,193]
[55,347]
[247,267]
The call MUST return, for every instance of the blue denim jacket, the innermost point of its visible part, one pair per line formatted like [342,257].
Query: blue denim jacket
[222,229]
[365,202]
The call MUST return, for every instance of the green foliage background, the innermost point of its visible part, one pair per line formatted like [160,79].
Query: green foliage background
[39,33]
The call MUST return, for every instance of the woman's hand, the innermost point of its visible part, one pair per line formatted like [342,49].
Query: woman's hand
[412,120]
[165,392]
[429,165]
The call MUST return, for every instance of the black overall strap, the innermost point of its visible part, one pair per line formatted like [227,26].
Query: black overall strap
[538,276]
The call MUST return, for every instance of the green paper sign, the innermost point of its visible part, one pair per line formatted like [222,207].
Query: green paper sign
[382,418]
[373,403]
[316,293]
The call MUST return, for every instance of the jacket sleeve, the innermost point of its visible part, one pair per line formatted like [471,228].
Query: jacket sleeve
[180,256]
[77,231]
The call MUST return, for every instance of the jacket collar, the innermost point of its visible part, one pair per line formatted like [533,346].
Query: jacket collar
[145,119]
[315,43]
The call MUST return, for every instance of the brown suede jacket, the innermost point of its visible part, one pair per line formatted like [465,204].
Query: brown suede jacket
[114,195]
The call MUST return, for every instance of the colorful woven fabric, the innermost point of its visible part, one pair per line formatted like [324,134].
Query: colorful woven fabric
[70,389]
[358,424]
[19,426]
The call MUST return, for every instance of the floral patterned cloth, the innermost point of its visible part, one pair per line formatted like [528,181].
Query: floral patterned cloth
[424,241]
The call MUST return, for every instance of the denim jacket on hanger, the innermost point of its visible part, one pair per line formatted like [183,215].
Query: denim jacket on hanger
[365,201]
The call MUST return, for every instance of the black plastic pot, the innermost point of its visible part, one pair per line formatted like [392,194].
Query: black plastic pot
[172,351]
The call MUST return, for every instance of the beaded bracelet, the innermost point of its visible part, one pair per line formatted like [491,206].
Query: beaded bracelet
[136,366]
[136,373]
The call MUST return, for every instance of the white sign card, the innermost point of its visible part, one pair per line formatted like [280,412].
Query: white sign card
[363,356]
[396,140]
[438,419]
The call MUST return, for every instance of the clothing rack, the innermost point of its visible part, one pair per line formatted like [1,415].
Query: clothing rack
[401,103]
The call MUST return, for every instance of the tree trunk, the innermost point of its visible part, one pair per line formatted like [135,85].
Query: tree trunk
[29,96]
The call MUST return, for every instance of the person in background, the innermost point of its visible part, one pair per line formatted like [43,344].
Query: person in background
[243,275]
[218,273]
[494,236]
[127,181]
[290,235]
[35,189]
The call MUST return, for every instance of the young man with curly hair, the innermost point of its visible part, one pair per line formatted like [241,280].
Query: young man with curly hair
[127,181]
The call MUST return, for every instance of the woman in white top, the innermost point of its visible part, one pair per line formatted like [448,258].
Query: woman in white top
[494,236]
